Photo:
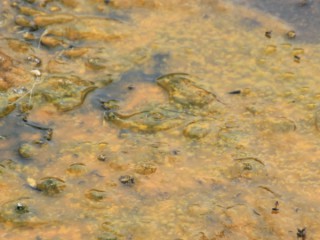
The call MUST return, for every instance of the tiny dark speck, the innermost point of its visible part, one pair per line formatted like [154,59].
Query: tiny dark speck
[175,152]
[235,92]
[268,34]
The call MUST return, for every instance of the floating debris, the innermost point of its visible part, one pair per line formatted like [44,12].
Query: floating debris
[275,209]
[35,124]
[175,152]
[235,92]
[131,87]
[296,58]
[291,34]
[96,64]
[268,34]
[302,233]
[35,61]
[127,180]
[48,134]
[102,157]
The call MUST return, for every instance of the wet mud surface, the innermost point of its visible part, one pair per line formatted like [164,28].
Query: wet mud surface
[152,120]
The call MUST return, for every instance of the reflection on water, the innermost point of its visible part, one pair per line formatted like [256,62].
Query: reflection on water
[152,120]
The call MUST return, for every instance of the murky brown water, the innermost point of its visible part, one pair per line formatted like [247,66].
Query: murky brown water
[151,120]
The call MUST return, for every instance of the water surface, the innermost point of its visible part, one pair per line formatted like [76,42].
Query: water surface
[151,120]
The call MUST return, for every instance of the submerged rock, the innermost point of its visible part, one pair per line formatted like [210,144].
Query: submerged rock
[27,150]
[146,121]
[5,107]
[249,168]
[65,92]
[23,211]
[51,185]
[182,88]
[110,105]
[197,130]
[95,195]
[77,169]
[145,168]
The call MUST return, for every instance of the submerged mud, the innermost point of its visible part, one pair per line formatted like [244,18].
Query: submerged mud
[156,120]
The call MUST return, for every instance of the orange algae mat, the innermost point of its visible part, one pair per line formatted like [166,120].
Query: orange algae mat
[152,120]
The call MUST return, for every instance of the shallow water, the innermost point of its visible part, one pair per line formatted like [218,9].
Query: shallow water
[155,120]
[303,15]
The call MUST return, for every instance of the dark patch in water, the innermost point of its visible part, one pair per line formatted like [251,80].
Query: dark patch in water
[129,80]
[303,15]
[250,23]
[118,90]
[14,128]
[160,62]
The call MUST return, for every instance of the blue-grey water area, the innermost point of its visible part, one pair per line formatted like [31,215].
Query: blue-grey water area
[148,119]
